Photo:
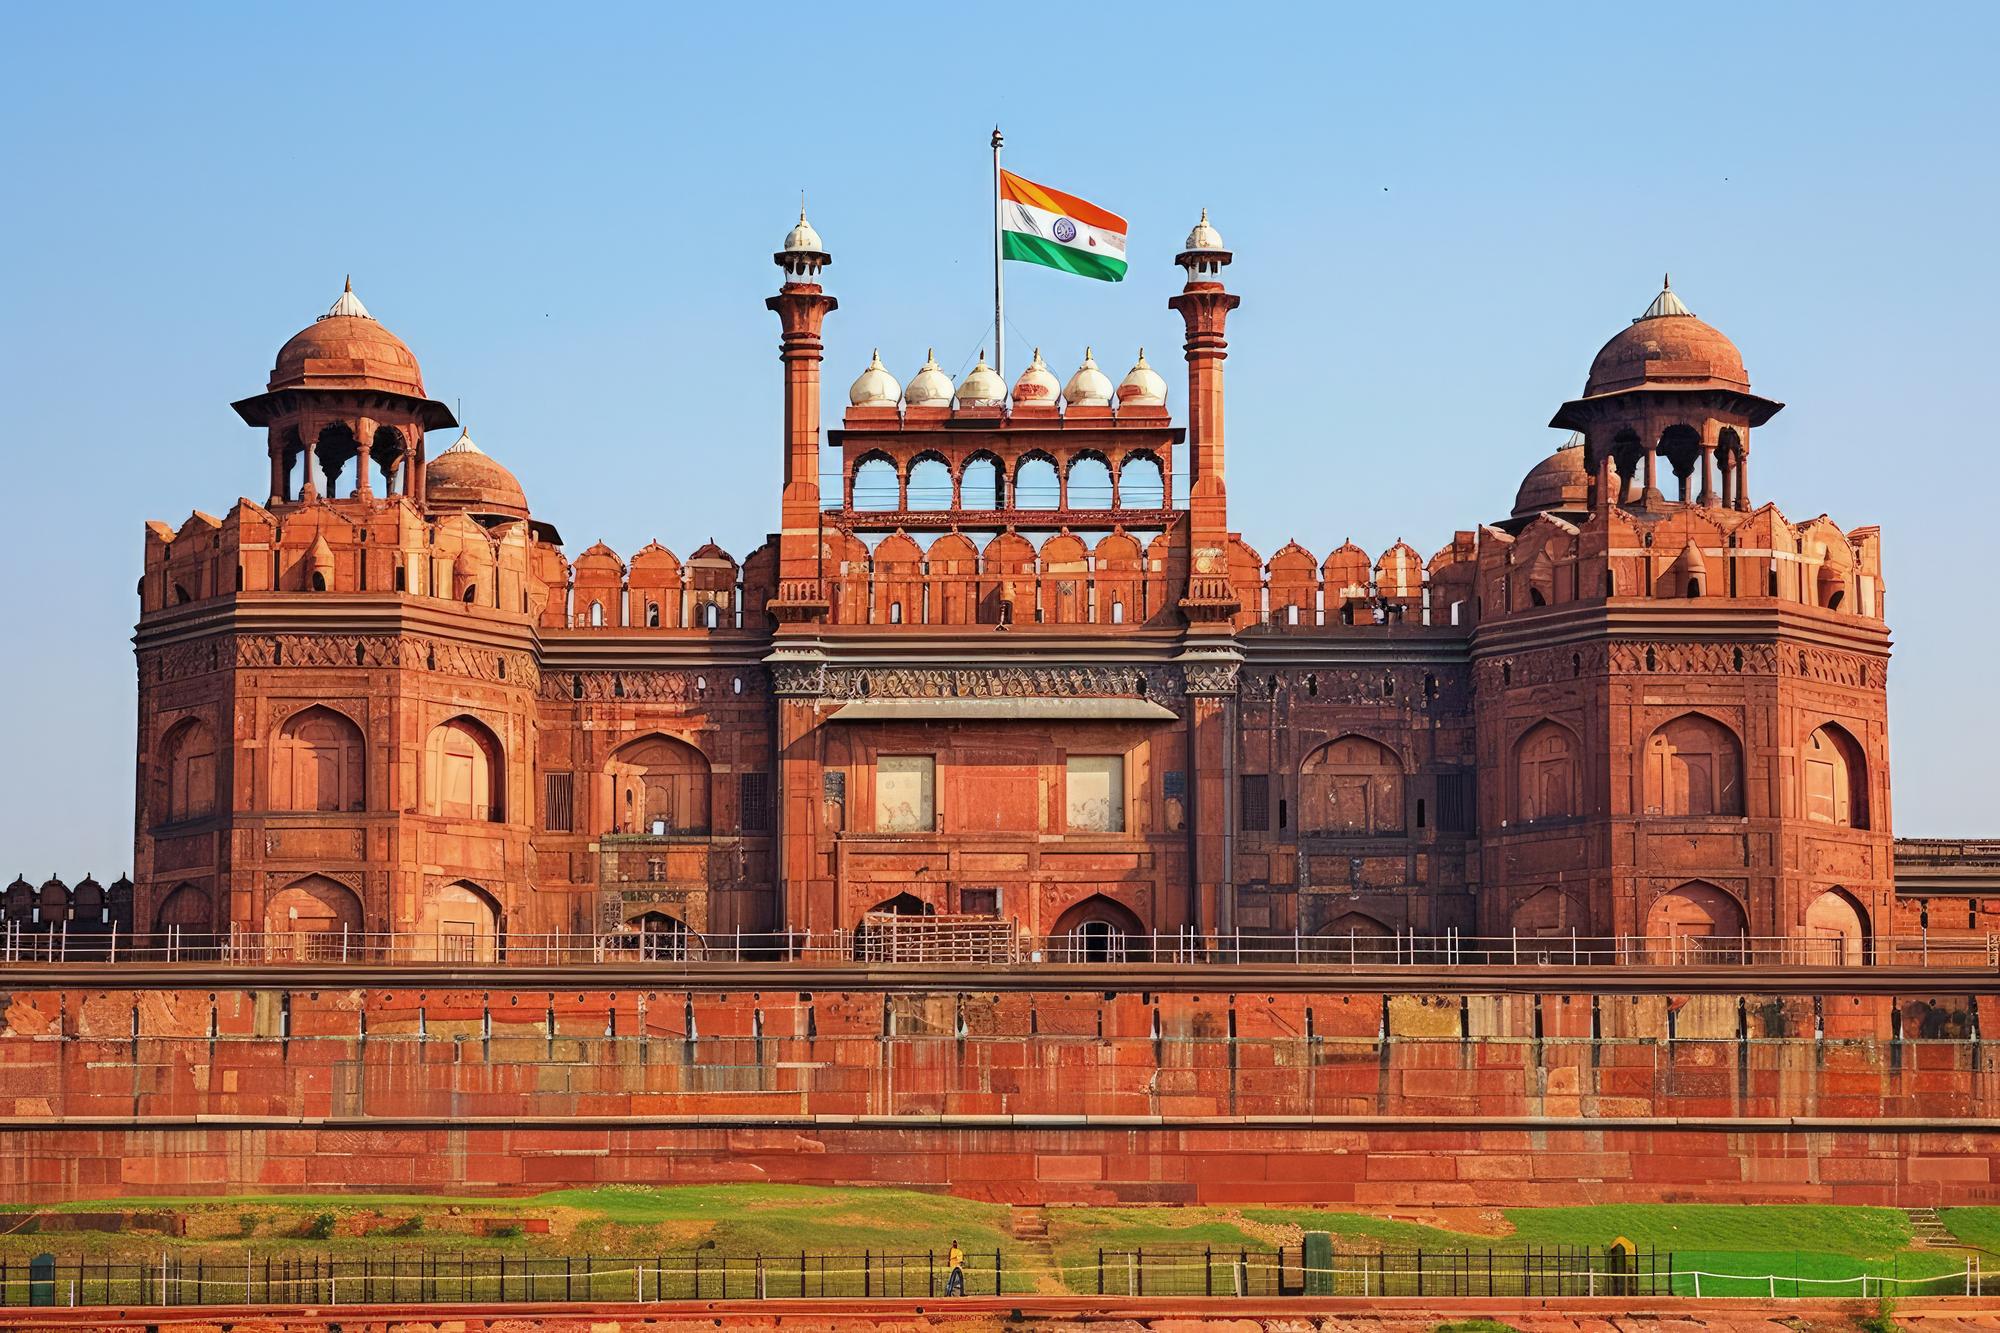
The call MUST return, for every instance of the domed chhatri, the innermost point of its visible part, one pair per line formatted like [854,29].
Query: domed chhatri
[347,348]
[1142,386]
[1038,386]
[875,387]
[1204,236]
[982,386]
[1557,483]
[1089,387]
[1667,347]
[465,479]
[802,238]
[930,386]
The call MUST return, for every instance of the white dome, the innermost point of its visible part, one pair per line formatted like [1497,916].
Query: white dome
[981,386]
[802,238]
[930,386]
[1037,387]
[1089,387]
[1142,386]
[1203,237]
[876,387]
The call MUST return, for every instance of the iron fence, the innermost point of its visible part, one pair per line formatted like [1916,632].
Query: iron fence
[1306,1270]
[443,1279]
[987,943]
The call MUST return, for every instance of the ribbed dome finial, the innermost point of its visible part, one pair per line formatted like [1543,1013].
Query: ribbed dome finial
[1666,303]
[349,304]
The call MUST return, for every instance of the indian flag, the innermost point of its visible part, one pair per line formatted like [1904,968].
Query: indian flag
[1043,226]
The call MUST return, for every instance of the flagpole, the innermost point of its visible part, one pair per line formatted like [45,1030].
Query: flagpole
[999,298]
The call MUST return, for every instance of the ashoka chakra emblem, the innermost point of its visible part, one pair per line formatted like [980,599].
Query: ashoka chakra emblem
[1065,230]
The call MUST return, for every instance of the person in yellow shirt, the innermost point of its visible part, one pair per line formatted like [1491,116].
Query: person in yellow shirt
[955,1284]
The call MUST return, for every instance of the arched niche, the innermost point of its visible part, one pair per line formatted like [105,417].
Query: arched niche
[186,908]
[464,774]
[1352,785]
[1695,923]
[659,785]
[460,924]
[1693,766]
[1097,929]
[314,918]
[1353,937]
[317,762]
[187,772]
[1836,778]
[1546,781]
[1836,930]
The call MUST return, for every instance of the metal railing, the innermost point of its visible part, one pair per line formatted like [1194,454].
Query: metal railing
[443,1279]
[424,1278]
[987,943]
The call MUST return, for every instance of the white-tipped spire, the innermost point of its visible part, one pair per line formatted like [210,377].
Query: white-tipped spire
[1089,387]
[1038,386]
[982,386]
[348,304]
[1142,386]
[463,444]
[875,387]
[1666,303]
[930,386]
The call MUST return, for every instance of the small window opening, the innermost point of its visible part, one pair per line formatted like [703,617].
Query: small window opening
[1420,812]
[1652,660]
[470,593]
[1576,664]
[1736,658]
[1284,813]
[318,583]
[576,687]
[1506,673]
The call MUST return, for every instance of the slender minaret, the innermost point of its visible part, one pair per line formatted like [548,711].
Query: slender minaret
[1205,305]
[1209,656]
[802,308]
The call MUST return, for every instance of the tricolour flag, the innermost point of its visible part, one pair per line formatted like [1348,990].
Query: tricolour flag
[1043,226]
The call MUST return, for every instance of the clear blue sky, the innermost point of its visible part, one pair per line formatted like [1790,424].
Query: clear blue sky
[568,212]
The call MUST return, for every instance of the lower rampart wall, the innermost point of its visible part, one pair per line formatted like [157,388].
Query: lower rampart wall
[1366,1099]
[1373,1165]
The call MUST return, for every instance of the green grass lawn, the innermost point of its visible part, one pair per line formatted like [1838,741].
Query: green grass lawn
[1789,1242]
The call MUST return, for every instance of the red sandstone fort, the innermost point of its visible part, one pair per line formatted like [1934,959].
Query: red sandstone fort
[1003,676]
[1005,688]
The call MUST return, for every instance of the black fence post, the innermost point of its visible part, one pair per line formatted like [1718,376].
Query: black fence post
[1208,1270]
[996,1271]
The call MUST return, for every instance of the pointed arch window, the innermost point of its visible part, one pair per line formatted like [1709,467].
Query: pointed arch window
[317,763]
[1545,774]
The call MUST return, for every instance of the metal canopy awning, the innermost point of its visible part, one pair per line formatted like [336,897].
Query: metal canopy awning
[1029,709]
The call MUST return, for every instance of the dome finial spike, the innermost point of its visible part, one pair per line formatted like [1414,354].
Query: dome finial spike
[349,285]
